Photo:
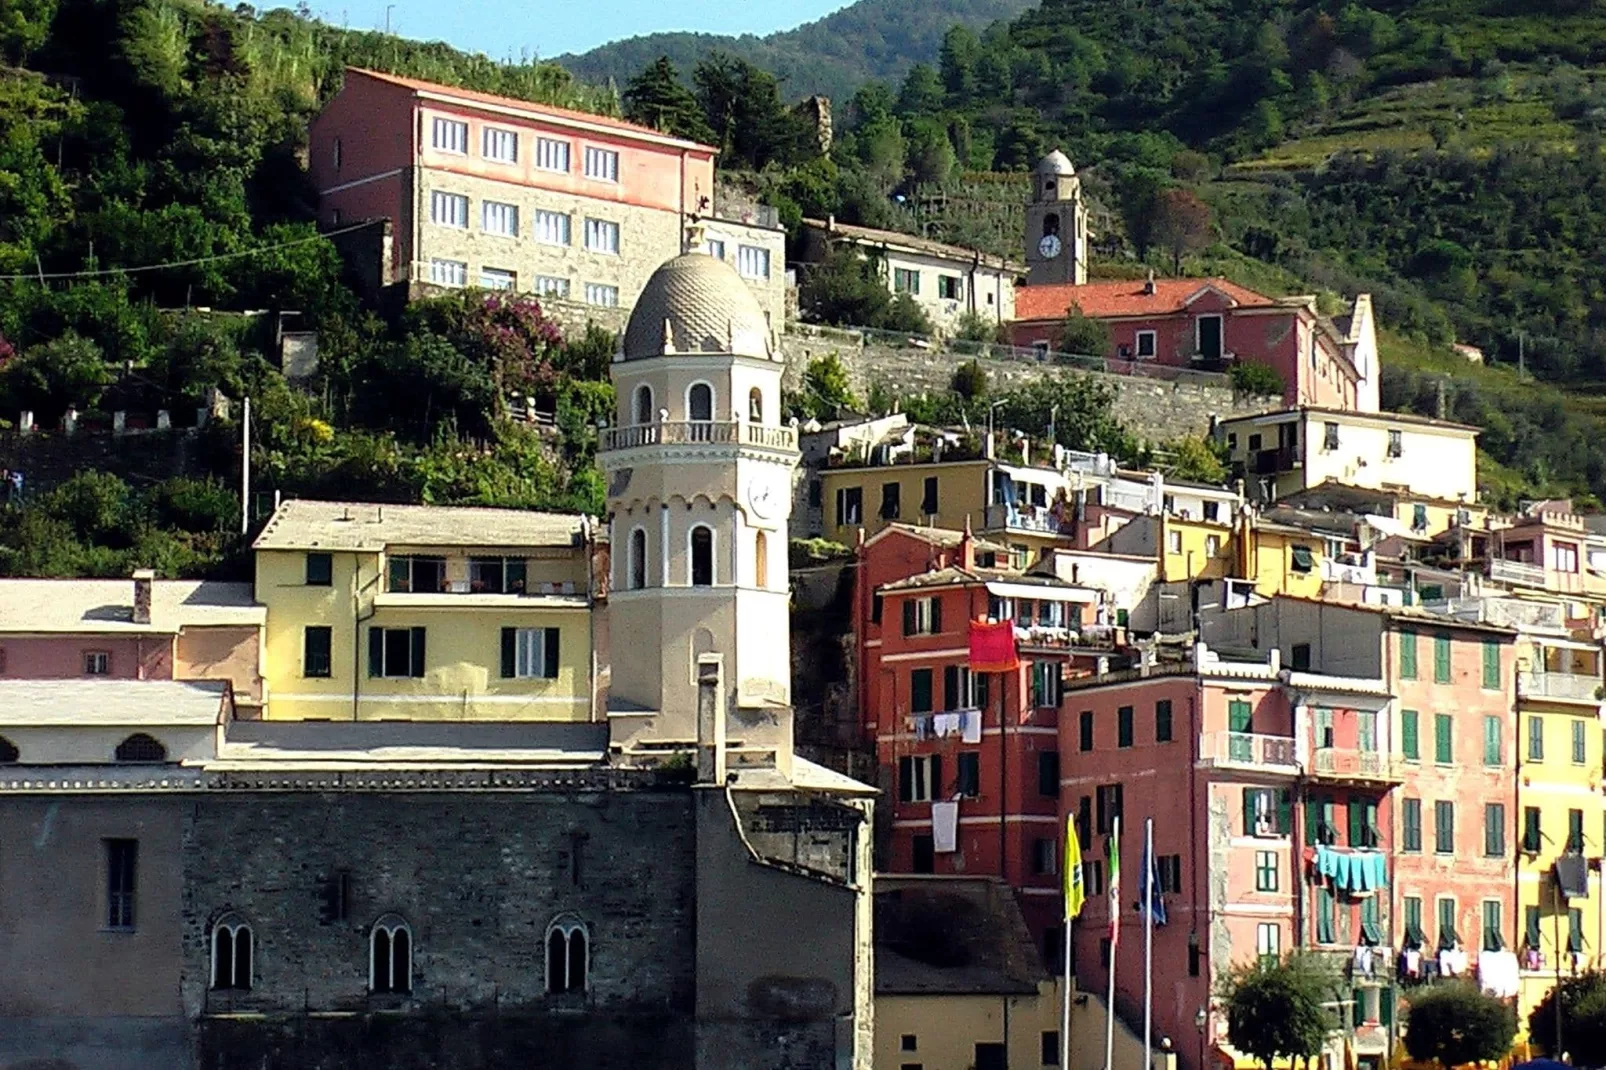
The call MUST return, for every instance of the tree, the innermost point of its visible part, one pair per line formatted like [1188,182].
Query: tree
[827,392]
[844,289]
[970,381]
[1081,410]
[1083,335]
[1139,193]
[743,107]
[656,98]
[1196,459]
[931,155]
[24,26]
[1455,1024]
[1275,1010]
[957,64]
[1583,1018]
[51,378]
[1181,224]
[921,93]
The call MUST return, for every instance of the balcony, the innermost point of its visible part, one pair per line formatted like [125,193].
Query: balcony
[1520,573]
[1350,568]
[1511,612]
[1022,518]
[1355,766]
[699,432]
[1563,686]
[1271,462]
[1249,750]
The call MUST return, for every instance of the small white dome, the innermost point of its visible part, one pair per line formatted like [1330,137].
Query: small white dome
[1055,163]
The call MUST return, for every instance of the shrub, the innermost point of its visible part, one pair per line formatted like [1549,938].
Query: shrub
[1253,377]
[1083,335]
[970,381]
[1455,1024]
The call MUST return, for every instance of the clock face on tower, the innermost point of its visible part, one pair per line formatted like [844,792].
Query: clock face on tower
[1049,246]
[761,499]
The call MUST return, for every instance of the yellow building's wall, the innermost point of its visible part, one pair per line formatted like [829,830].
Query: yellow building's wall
[1274,571]
[1440,517]
[961,494]
[947,1028]
[1190,558]
[462,658]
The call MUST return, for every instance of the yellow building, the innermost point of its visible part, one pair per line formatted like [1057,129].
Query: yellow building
[1288,560]
[1558,811]
[425,613]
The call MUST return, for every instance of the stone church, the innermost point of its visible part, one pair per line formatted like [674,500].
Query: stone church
[665,886]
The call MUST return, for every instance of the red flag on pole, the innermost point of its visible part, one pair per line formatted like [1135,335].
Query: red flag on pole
[992,647]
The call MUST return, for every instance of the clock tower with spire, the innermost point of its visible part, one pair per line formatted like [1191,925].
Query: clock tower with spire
[1056,224]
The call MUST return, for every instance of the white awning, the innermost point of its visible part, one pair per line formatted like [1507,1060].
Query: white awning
[1043,594]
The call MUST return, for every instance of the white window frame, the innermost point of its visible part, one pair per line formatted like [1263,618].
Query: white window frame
[448,209]
[501,212]
[752,262]
[97,663]
[909,276]
[449,135]
[714,247]
[390,925]
[1268,939]
[601,164]
[552,228]
[568,925]
[713,402]
[448,272]
[493,278]
[602,294]
[493,138]
[922,790]
[552,154]
[1198,331]
[550,286]
[233,925]
[1173,541]
[955,282]
[529,654]
[1212,545]
[643,390]
[1153,339]
[602,236]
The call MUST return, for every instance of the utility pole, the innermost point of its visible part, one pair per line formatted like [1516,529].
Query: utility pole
[388,9]
[245,467]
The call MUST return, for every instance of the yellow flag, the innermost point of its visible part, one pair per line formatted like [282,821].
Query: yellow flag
[1074,893]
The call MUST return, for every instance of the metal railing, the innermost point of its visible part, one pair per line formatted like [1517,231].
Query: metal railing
[1573,687]
[1513,612]
[1251,749]
[1027,518]
[699,432]
[1341,761]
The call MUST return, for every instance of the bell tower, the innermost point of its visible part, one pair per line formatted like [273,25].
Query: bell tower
[1056,224]
[699,467]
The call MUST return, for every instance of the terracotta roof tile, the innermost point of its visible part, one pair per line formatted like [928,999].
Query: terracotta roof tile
[1126,298]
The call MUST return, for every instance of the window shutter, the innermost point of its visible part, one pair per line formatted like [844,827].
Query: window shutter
[950,687]
[509,652]
[905,784]
[936,614]
[936,777]
[418,652]
[1356,822]
[1285,811]
[1313,820]
[549,663]
[1251,795]
[909,622]
[376,652]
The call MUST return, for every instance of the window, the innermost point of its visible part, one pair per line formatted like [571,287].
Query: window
[448,209]
[702,556]
[1085,731]
[395,652]
[958,688]
[849,505]
[1578,728]
[1045,856]
[602,164]
[1268,942]
[231,953]
[602,236]
[1491,741]
[1265,871]
[417,575]
[1494,830]
[1536,739]
[922,616]
[317,643]
[498,279]
[1566,557]
[714,247]
[949,287]
[1410,739]
[449,135]
[1324,914]
[601,295]
[339,154]
[752,262]
[1444,827]
[497,217]
[1212,511]
[921,696]
[1491,665]
[1575,930]
[1532,834]
[1575,830]
[530,653]
[550,286]
[1411,819]
[891,504]
[923,854]
[919,777]
[638,559]
[1173,541]
[448,272]
[1146,347]
[1443,739]
[1441,658]
[928,497]
[700,402]
[1329,436]
[140,747]
[1048,685]
[1267,812]
[1048,773]
[761,560]
[390,956]
[1366,731]
[755,406]
[1123,726]
[1051,1047]
[905,281]
[97,663]
[1109,804]
[1407,654]
[1299,657]
[499,145]
[1093,877]
[1162,721]
[496,575]
[551,154]
[1448,937]
[568,955]
[320,570]
[1396,447]
[969,774]
[1363,830]
[645,414]
[122,857]
[552,228]
[1301,559]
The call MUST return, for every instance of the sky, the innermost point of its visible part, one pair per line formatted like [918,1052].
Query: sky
[545,28]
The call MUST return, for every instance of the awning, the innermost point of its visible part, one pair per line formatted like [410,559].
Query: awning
[1572,875]
[1448,937]
[1370,932]
[1414,937]
[1302,557]
[1043,593]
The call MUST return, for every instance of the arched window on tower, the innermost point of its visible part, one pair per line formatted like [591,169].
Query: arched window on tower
[1051,224]
[568,955]
[702,556]
[700,403]
[638,559]
[390,956]
[761,560]
[644,413]
[231,953]
[755,405]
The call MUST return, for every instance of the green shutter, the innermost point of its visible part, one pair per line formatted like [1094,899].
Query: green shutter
[1491,741]
[509,652]
[1385,1007]
[1575,930]
[1491,664]
[549,667]
[1531,927]
[1313,819]
[1324,914]
[1240,716]
[1441,658]
[1285,811]
[1410,743]
[418,652]
[376,651]
[1357,820]
[1407,654]
[1443,741]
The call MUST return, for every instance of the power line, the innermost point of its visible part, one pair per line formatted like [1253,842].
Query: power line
[46,276]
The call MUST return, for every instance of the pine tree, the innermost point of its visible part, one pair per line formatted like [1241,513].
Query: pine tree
[656,98]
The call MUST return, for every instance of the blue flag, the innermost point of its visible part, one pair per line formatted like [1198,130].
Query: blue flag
[1149,888]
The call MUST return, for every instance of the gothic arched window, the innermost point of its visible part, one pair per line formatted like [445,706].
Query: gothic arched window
[702,556]
[568,955]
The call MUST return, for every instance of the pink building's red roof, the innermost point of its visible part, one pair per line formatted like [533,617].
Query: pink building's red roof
[1126,298]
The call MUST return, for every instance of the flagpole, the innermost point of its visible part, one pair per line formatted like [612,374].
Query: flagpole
[1115,938]
[1148,941]
[1065,977]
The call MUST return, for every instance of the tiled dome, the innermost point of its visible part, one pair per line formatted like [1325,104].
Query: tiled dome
[696,303]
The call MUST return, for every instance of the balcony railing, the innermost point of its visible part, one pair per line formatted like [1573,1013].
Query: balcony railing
[1354,764]
[1571,687]
[1250,750]
[1339,571]
[699,432]
[1022,518]
[1512,612]
[1521,573]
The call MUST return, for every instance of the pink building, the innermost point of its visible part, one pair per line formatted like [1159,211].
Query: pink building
[1210,324]
[139,629]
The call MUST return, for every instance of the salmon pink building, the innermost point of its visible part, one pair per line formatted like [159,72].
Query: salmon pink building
[1212,324]
[499,193]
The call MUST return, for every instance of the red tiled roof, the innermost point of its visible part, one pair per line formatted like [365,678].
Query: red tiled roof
[1125,298]
[474,96]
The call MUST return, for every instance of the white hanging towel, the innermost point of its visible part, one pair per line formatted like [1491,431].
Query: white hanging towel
[1497,973]
[970,726]
[945,827]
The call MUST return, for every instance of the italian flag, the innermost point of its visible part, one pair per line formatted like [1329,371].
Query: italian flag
[1115,882]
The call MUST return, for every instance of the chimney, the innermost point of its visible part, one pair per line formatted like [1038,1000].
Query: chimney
[967,548]
[710,721]
[143,579]
[1148,285]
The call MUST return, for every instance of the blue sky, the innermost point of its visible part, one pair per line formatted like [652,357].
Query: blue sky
[552,27]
